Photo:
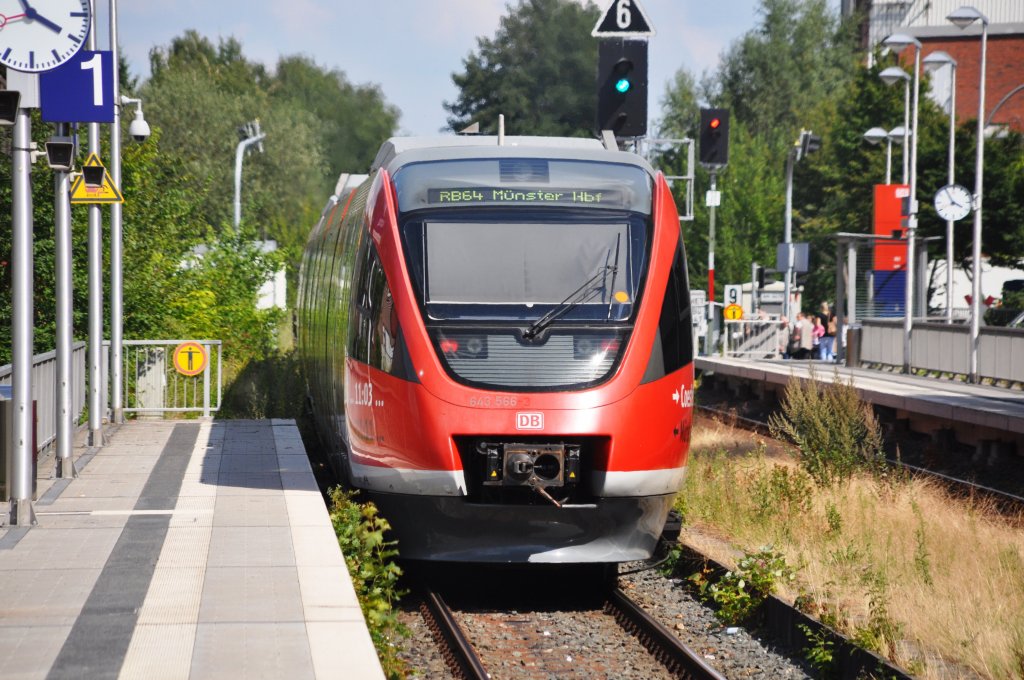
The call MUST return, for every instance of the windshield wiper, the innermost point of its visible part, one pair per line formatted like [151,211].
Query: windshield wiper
[592,285]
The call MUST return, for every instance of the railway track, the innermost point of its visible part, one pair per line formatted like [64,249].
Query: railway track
[462,657]
[1008,502]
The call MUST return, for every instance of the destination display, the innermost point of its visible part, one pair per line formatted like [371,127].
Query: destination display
[545,196]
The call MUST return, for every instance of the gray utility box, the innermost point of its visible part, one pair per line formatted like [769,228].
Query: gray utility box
[7,443]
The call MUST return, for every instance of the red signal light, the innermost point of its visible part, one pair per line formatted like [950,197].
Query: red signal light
[449,346]
[715,122]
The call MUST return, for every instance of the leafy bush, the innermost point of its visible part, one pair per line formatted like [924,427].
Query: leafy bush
[836,433]
[739,593]
[780,490]
[360,530]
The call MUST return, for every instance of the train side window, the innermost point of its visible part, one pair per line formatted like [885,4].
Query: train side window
[675,326]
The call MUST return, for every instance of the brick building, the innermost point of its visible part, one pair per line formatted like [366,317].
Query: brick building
[926,20]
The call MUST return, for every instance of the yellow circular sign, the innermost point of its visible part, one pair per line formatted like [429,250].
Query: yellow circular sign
[190,358]
[733,312]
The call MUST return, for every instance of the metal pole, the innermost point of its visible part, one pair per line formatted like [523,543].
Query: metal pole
[206,385]
[788,238]
[239,153]
[888,161]
[711,269]
[65,463]
[116,239]
[842,290]
[95,253]
[851,278]
[979,171]
[906,129]
[20,481]
[950,180]
[908,297]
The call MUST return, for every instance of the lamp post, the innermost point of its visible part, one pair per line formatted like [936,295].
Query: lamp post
[891,76]
[899,42]
[876,135]
[964,17]
[933,62]
[250,134]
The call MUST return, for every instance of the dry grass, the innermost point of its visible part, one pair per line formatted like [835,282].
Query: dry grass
[946,577]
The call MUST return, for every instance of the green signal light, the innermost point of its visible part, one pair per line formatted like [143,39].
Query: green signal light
[622,85]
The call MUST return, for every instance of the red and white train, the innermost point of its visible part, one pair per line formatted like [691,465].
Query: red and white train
[497,343]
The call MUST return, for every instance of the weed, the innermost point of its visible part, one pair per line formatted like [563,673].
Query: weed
[820,651]
[668,567]
[834,519]
[780,490]
[922,563]
[739,593]
[360,530]
[881,632]
[836,433]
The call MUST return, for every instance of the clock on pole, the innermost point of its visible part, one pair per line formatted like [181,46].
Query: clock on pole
[953,202]
[40,36]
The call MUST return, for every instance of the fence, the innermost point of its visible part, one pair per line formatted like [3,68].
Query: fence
[945,348]
[44,390]
[152,385]
[755,338]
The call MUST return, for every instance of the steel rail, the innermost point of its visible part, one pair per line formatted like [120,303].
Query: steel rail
[679,659]
[458,650]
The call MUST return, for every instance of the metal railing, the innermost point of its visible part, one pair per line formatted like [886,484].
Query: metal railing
[945,348]
[754,338]
[152,385]
[44,390]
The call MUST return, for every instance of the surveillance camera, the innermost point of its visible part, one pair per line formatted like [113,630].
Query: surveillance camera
[60,153]
[139,128]
[9,100]
[93,175]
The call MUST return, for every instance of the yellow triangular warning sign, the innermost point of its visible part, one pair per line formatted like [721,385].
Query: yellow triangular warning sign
[572,475]
[107,192]
[494,473]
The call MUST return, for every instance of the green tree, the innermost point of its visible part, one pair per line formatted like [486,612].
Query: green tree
[539,70]
[355,119]
[783,75]
[200,95]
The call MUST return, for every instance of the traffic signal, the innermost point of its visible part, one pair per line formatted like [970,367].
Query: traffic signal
[759,275]
[714,137]
[622,87]
[809,143]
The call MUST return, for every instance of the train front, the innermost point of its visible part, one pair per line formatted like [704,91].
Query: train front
[543,305]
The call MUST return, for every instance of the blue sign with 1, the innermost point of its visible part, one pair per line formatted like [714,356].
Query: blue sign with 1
[79,91]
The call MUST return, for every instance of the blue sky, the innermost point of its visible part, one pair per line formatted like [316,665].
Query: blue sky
[409,48]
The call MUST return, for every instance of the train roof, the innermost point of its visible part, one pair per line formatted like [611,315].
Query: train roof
[399,151]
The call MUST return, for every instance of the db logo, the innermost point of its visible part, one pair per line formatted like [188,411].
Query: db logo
[529,421]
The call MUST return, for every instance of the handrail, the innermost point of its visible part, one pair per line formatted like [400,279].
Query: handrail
[44,390]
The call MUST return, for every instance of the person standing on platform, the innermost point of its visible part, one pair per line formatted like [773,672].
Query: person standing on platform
[817,337]
[827,346]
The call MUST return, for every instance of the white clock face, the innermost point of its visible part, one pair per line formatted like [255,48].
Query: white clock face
[40,35]
[953,202]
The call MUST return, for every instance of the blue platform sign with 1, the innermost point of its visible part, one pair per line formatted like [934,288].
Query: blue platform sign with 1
[79,91]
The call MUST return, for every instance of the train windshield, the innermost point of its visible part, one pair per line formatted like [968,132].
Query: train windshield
[525,239]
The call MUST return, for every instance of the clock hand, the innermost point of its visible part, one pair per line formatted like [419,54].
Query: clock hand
[951,199]
[33,15]
[25,5]
[5,19]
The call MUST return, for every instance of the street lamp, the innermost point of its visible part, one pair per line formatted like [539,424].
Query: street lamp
[891,76]
[933,62]
[249,134]
[964,17]
[877,135]
[899,42]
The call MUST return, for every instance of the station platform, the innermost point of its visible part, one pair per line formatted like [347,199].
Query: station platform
[979,414]
[184,550]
